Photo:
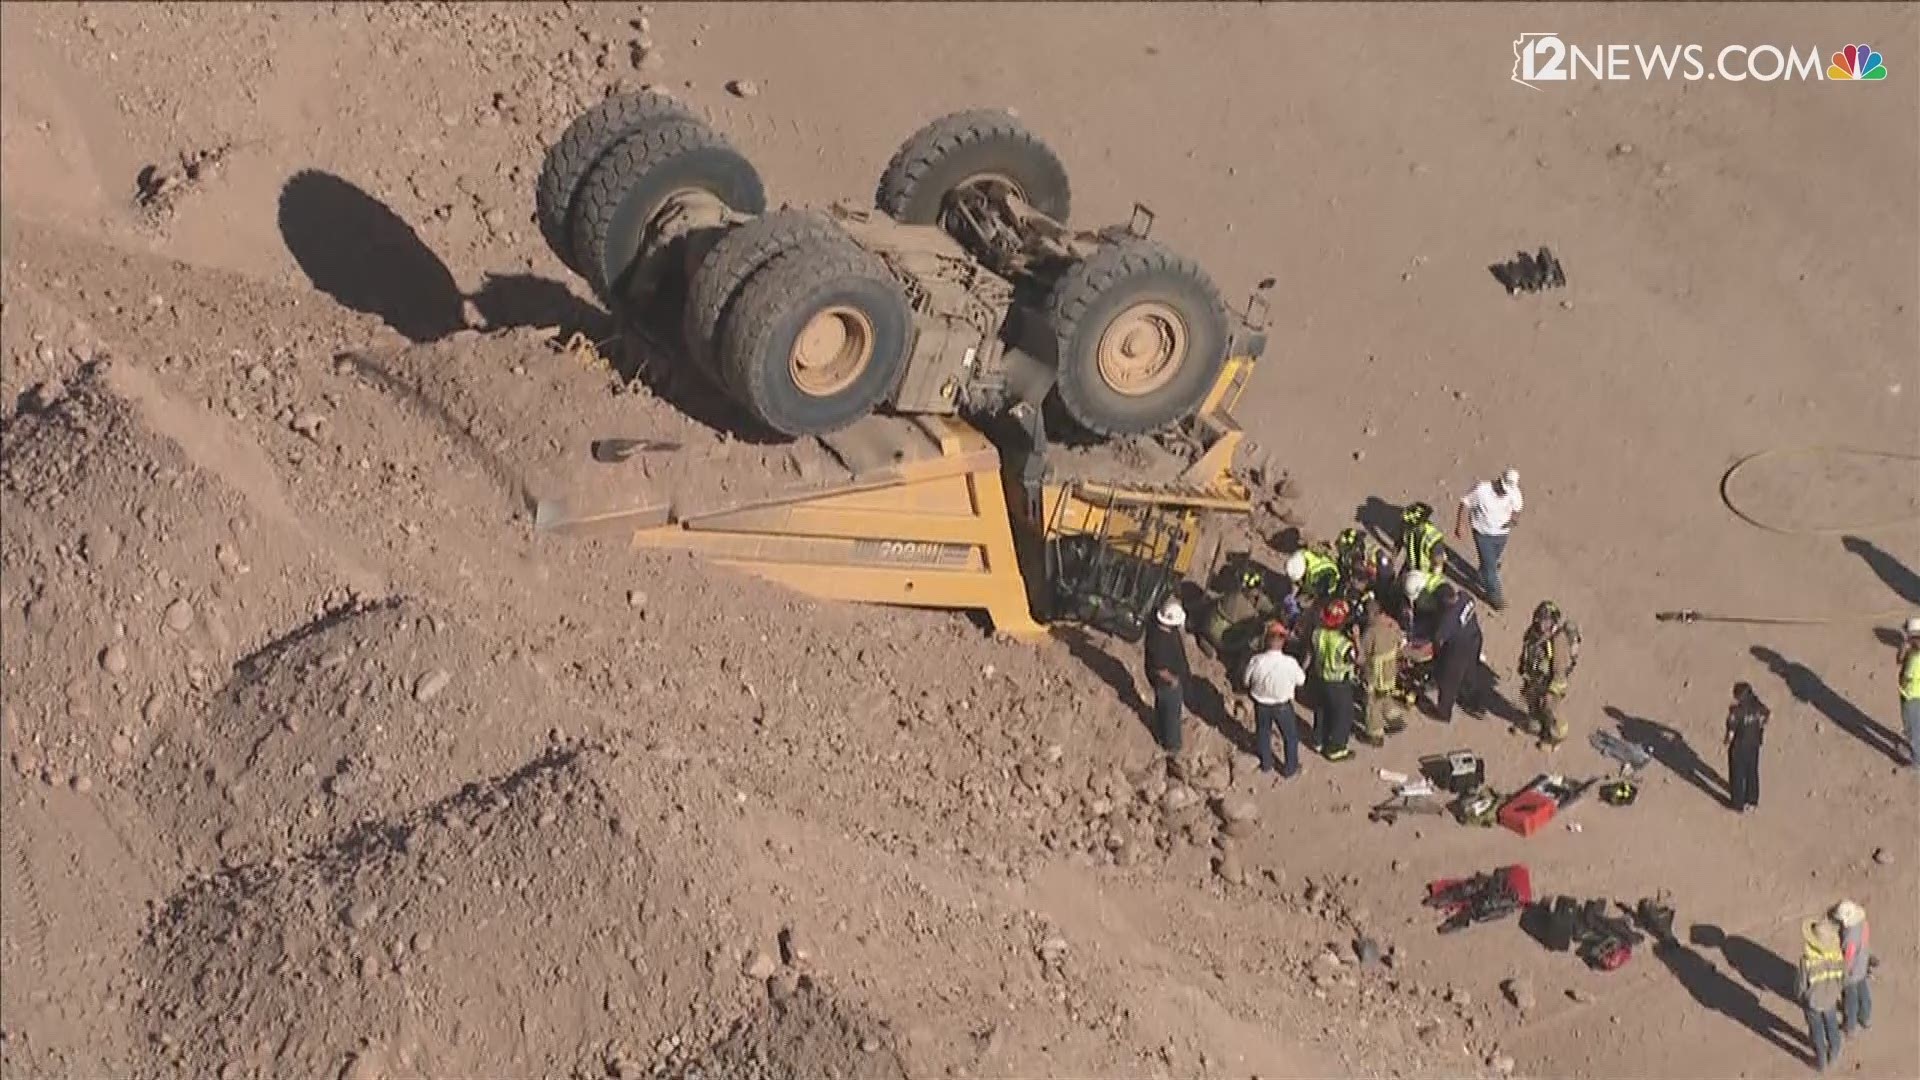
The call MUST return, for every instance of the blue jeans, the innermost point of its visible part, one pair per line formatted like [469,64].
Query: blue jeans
[1910,719]
[1265,718]
[1825,1029]
[1856,1006]
[1491,548]
[1168,702]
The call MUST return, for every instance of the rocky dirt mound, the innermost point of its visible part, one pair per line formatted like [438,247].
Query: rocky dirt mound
[802,1036]
[124,585]
[369,708]
[505,930]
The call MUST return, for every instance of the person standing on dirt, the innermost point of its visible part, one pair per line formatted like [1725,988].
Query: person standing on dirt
[1856,1001]
[1822,969]
[1546,661]
[1910,689]
[1273,678]
[1492,508]
[1457,644]
[1168,671]
[1421,546]
[1380,645]
[1333,661]
[1746,730]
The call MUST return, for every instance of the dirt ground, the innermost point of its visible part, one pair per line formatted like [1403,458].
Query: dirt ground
[319,762]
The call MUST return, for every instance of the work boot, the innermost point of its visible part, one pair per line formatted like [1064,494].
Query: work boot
[1372,738]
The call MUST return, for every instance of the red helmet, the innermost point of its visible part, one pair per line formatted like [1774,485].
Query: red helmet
[1335,615]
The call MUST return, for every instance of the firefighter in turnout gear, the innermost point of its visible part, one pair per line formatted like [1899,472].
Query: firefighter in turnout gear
[1363,566]
[1333,663]
[1237,616]
[1547,655]
[1422,545]
[1379,649]
[1316,572]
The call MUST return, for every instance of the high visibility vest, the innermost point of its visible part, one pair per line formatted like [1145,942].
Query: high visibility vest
[1536,656]
[1322,576]
[1422,548]
[1910,676]
[1333,651]
[1820,966]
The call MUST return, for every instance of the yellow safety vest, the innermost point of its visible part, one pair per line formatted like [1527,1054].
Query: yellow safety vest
[1910,676]
[1421,547]
[1334,650]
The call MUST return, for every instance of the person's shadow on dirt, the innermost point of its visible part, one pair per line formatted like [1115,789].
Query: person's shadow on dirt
[1904,582]
[1671,750]
[1808,687]
[1381,519]
[1712,989]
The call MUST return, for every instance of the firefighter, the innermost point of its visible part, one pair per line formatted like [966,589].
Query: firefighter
[1315,572]
[1546,661]
[1333,663]
[1363,566]
[1236,617]
[1380,644]
[1422,545]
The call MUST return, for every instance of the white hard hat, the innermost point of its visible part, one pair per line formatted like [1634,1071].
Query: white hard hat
[1297,566]
[1913,626]
[1414,583]
[1173,615]
[1510,478]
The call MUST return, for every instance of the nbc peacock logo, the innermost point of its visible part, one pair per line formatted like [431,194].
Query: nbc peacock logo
[1856,63]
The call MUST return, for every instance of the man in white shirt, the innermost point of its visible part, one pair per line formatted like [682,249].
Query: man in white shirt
[1273,677]
[1492,508]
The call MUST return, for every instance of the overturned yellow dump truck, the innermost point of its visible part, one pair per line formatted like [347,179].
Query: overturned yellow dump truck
[934,348]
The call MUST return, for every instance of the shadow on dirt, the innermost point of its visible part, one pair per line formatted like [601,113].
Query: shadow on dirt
[1807,686]
[1670,749]
[1894,573]
[358,251]
[1715,990]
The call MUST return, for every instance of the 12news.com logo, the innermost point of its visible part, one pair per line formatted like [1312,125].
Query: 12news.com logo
[1545,58]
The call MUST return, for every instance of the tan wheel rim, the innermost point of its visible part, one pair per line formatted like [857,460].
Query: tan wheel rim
[992,180]
[832,350]
[1142,349]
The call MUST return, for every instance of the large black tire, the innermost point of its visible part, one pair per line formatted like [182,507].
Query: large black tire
[742,251]
[847,293]
[634,180]
[580,147]
[1140,336]
[968,146]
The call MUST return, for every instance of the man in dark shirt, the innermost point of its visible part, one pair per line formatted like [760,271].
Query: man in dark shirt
[1167,670]
[1457,644]
[1746,729]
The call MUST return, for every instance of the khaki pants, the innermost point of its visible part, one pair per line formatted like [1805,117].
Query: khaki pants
[1543,709]
[1380,708]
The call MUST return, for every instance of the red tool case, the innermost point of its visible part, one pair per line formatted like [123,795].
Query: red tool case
[1528,812]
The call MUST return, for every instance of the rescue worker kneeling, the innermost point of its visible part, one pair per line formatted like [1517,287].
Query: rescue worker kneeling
[1333,662]
[1546,660]
[1233,625]
[1315,572]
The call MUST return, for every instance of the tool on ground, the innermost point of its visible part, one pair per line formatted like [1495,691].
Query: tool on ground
[1631,756]
[1477,807]
[1619,792]
[1483,897]
[1392,809]
[928,346]
[1655,915]
[1530,273]
[1457,771]
[1603,940]
[1529,810]
[1392,777]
